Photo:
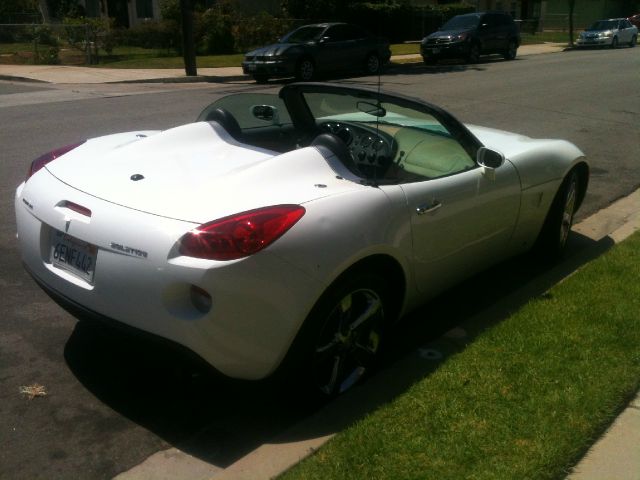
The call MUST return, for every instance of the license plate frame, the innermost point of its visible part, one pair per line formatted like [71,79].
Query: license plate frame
[73,255]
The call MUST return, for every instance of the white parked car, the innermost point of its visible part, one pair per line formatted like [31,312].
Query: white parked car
[287,232]
[609,33]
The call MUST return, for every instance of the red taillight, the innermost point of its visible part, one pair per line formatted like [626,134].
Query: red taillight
[42,160]
[240,235]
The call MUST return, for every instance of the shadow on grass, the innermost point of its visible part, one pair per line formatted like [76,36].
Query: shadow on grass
[220,420]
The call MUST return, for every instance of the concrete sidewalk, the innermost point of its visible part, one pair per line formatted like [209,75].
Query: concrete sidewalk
[64,74]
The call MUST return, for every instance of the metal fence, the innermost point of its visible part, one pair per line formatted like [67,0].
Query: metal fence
[40,43]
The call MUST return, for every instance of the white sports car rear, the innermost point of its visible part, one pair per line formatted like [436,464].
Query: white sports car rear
[286,232]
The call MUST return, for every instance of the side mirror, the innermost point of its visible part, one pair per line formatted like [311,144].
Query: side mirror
[489,158]
[266,113]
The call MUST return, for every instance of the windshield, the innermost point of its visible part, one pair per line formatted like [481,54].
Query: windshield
[604,25]
[461,22]
[302,35]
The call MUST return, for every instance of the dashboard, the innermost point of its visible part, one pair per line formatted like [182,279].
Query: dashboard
[372,149]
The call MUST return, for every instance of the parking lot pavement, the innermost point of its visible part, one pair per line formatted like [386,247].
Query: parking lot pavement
[64,74]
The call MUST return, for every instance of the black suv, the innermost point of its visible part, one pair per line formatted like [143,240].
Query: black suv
[471,35]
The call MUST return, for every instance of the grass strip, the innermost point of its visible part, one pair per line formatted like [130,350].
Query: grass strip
[525,399]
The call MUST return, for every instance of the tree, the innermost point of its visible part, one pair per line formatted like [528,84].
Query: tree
[11,11]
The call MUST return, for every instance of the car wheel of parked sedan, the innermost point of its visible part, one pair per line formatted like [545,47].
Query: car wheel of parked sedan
[633,41]
[511,52]
[614,42]
[372,64]
[474,53]
[346,332]
[305,70]
[261,78]
[557,226]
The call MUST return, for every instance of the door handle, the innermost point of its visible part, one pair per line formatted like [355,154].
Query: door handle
[432,207]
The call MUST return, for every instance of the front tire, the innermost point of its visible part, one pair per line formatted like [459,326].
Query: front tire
[555,232]
[305,70]
[633,41]
[614,42]
[473,56]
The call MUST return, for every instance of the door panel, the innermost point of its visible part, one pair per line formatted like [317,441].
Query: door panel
[461,223]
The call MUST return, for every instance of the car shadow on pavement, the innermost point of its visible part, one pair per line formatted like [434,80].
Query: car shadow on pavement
[219,420]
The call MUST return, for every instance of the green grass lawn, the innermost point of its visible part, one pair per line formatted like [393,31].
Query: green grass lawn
[524,400]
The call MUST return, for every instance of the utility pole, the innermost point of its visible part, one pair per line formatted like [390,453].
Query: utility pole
[188,46]
[572,7]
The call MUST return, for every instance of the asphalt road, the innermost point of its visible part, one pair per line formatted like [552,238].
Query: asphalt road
[113,402]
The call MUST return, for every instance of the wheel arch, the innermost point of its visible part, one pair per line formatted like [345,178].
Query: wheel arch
[582,169]
[390,269]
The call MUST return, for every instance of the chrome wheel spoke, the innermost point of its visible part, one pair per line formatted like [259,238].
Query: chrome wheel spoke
[336,368]
[373,308]
[349,341]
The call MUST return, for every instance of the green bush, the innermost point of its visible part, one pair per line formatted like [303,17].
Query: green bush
[262,29]
[163,34]
[215,33]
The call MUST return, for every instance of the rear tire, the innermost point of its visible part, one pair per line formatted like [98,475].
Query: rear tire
[372,64]
[511,51]
[340,341]
[552,241]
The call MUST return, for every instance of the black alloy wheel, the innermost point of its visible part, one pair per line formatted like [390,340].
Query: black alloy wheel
[305,70]
[614,42]
[350,323]
[372,64]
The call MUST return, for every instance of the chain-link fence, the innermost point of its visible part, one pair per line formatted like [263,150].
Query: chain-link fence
[50,44]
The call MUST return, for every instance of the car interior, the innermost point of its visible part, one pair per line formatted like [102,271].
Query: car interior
[379,141]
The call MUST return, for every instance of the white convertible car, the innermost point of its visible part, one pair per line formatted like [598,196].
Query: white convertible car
[284,233]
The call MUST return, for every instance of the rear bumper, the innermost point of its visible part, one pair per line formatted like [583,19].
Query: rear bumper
[257,304]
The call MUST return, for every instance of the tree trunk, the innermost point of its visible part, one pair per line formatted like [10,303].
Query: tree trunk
[188,46]
[44,11]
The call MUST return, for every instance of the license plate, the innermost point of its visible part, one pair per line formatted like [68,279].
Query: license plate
[73,255]
[251,67]
[435,51]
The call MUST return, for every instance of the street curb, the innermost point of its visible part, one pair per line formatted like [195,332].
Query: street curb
[14,78]
[191,79]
